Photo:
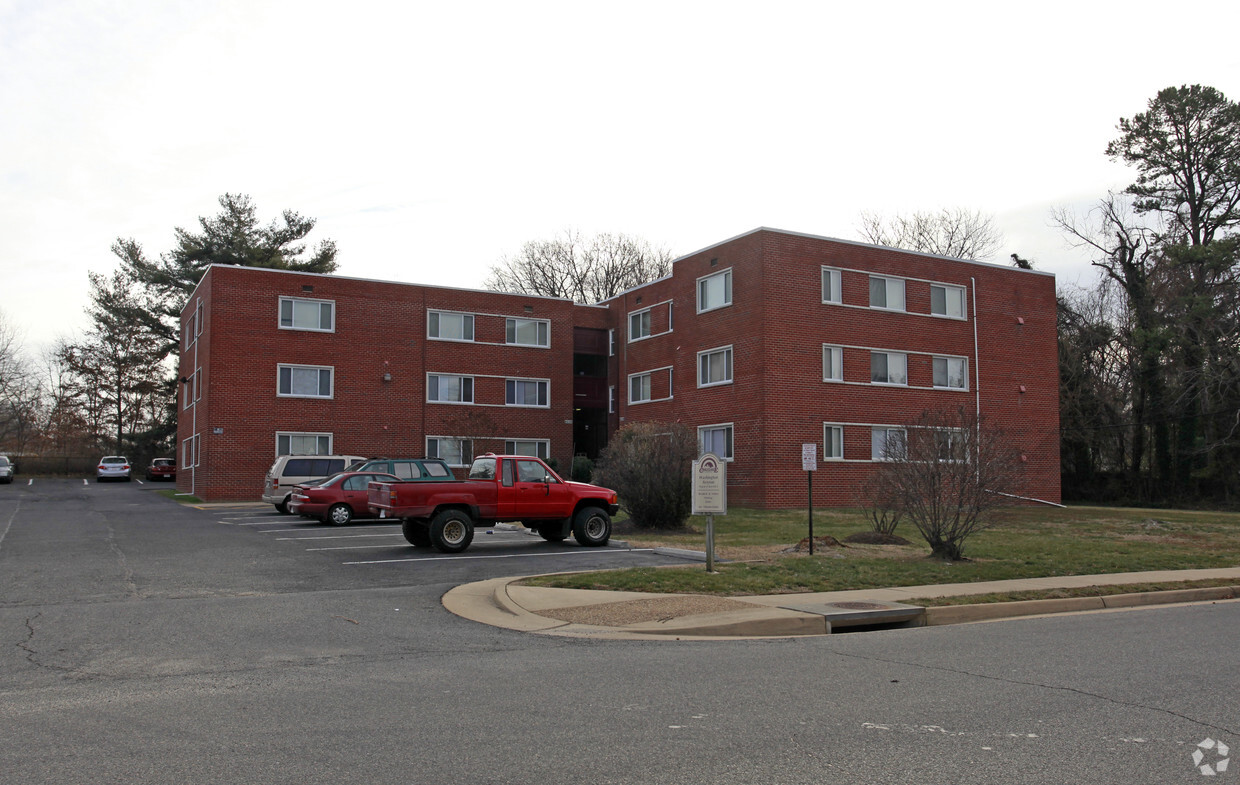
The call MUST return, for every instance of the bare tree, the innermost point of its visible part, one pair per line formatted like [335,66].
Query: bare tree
[946,473]
[954,232]
[583,269]
[19,391]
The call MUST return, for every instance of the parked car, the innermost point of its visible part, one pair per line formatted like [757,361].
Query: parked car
[113,467]
[162,469]
[7,469]
[289,471]
[407,468]
[337,499]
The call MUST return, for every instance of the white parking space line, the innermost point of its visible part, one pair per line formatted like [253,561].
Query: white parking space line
[502,556]
[342,536]
[304,529]
[349,548]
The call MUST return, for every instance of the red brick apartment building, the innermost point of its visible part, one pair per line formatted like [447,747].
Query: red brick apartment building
[762,343]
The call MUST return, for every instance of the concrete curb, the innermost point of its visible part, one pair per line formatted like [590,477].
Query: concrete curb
[964,614]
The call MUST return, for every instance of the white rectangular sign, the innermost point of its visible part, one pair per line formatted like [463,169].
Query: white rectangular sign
[809,457]
[710,485]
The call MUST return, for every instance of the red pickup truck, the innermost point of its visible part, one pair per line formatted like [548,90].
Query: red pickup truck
[443,514]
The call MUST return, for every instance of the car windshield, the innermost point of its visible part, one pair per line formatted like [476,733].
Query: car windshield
[4,461]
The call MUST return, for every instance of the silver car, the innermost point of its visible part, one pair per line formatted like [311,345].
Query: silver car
[112,467]
[7,470]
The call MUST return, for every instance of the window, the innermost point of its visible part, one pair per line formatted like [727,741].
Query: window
[611,343]
[299,314]
[449,389]
[639,325]
[303,444]
[454,452]
[188,391]
[886,444]
[947,301]
[533,471]
[831,285]
[951,372]
[305,381]
[189,452]
[832,364]
[832,442]
[888,368]
[197,384]
[715,367]
[949,445]
[639,388]
[527,332]
[450,326]
[611,399]
[714,291]
[535,447]
[716,439]
[887,293]
[525,392]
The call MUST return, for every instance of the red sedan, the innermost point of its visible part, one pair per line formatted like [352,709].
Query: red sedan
[336,499]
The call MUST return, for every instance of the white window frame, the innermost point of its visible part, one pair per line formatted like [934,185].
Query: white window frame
[197,384]
[542,329]
[646,380]
[611,343]
[729,367]
[331,384]
[948,361]
[829,428]
[436,317]
[730,438]
[460,380]
[190,452]
[832,363]
[542,390]
[317,436]
[877,454]
[726,275]
[836,277]
[644,325]
[611,399]
[954,436]
[889,355]
[948,290]
[461,443]
[893,290]
[542,447]
[293,302]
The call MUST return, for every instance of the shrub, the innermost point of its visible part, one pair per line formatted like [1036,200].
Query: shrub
[583,469]
[650,465]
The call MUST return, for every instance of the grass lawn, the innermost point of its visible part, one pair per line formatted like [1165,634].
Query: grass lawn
[171,493]
[1028,542]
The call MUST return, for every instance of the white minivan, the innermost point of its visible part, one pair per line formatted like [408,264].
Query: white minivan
[291,470]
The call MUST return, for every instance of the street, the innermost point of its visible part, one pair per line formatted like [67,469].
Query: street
[146,642]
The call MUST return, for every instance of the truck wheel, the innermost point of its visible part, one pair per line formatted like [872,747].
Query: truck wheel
[552,532]
[340,514]
[415,532]
[592,526]
[451,531]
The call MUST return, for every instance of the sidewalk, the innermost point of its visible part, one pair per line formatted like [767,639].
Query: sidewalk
[500,602]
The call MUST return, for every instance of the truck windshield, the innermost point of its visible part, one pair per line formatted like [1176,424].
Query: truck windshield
[483,469]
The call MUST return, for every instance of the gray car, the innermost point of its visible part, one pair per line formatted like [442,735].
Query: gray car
[113,467]
[7,470]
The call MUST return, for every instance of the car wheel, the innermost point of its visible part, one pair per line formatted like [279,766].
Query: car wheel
[592,526]
[415,532]
[451,531]
[340,514]
[282,507]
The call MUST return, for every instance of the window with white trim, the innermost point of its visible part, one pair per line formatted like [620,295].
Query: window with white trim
[832,442]
[527,332]
[639,388]
[887,444]
[831,285]
[538,448]
[292,443]
[949,445]
[611,343]
[639,325]
[297,313]
[887,293]
[951,372]
[448,326]
[947,301]
[888,368]
[190,452]
[611,399]
[197,384]
[832,363]
[525,392]
[454,452]
[714,291]
[449,388]
[304,381]
[716,439]
[187,394]
[715,367]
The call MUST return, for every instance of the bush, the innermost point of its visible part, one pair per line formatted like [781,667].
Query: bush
[583,469]
[650,465]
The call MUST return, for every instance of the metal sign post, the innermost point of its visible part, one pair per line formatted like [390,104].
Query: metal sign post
[710,497]
[809,462]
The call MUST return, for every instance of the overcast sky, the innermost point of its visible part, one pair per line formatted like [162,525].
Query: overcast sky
[430,140]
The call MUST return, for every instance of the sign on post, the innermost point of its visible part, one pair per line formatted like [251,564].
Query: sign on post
[809,457]
[809,464]
[710,497]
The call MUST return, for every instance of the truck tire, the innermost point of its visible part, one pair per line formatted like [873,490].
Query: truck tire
[551,531]
[415,532]
[340,514]
[592,526]
[451,531]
